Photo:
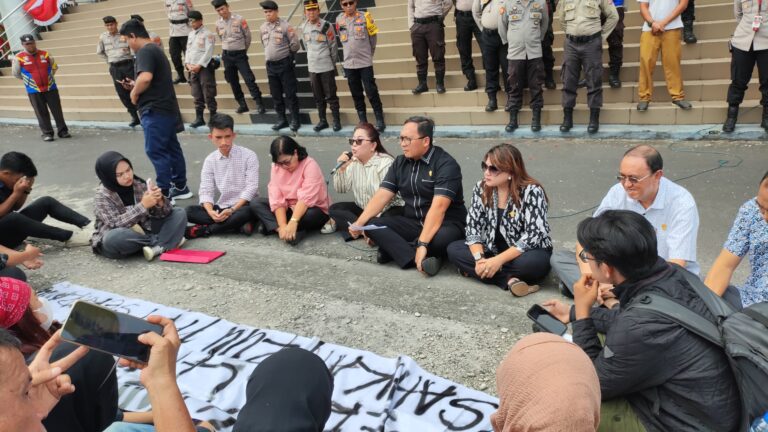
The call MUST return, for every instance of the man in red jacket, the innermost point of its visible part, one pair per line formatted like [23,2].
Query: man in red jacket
[36,68]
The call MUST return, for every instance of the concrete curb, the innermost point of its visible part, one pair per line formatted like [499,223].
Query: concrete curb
[705,132]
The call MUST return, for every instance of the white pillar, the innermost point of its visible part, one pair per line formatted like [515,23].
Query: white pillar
[16,24]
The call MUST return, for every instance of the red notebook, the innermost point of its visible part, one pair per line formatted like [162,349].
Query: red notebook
[191,256]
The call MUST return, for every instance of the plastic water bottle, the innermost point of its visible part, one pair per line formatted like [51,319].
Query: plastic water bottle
[760,424]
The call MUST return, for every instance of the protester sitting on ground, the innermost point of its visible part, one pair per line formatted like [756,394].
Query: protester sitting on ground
[17,177]
[654,374]
[365,166]
[643,189]
[130,217]
[748,236]
[546,383]
[298,196]
[29,392]
[231,171]
[288,391]
[10,259]
[429,180]
[507,232]
[30,319]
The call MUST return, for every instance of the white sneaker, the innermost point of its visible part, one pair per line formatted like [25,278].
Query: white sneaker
[79,238]
[151,252]
[329,227]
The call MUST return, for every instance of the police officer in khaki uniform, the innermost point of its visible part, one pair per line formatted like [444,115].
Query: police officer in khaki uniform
[320,43]
[358,35]
[425,21]
[486,14]
[197,61]
[280,45]
[523,25]
[117,53]
[584,36]
[749,46]
[178,15]
[235,40]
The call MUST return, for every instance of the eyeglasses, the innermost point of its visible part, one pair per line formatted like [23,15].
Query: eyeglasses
[763,210]
[357,141]
[409,140]
[286,162]
[631,179]
[490,168]
[346,4]
[584,258]
[125,173]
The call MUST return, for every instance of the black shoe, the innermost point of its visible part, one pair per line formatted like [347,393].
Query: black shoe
[594,120]
[322,124]
[336,123]
[764,123]
[431,265]
[730,121]
[47,138]
[536,120]
[549,83]
[471,83]
[247,229]
[179,80]
[362,116]
[198,120]
[688,36]
[281,123]
[492,104]
[180,194]
[242,107]
[421,88]
[683,104]
[382,257]
[567,120]
[380,125]
[259,105]
[614,81]
[64,134]
[295,125]
[512,125]
[440,88]
[135,121]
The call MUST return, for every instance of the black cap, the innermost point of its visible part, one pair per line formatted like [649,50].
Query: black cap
[109,19]
[27,38]
[311,4]
[268,5]
[195,15]
[137,18]
[219,3]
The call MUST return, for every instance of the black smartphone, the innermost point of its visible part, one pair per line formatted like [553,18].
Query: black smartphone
[106,330]
[546,321]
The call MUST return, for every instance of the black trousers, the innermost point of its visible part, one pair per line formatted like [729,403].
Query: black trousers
[549,39]
[13,273]
[118,72]
[197,215]
[41,103]
[588,55]
[465,29]
[15,227]
[398,239]
[203,87]
[689,14]
[494,59]
[616,42]
[234,62]
[742,65]
[526,71]
[282,81]
[530,267]
[176,46]
[428,39]
[313,219]
[324,90]
[344,213]
[359,79]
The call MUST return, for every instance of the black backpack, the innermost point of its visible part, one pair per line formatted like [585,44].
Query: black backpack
[742,334]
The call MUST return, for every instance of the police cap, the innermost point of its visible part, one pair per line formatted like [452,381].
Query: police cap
[109,19]
[137,18]
[219,3]
[268,5]
[195,15]
[27,38]
[311,4]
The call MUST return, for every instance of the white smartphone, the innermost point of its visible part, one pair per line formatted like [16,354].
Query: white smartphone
[150,185]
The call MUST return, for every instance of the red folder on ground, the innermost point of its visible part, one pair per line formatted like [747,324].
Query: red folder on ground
[191,256]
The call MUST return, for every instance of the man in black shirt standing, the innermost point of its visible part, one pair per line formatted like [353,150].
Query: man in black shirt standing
[429,180]
[153,93]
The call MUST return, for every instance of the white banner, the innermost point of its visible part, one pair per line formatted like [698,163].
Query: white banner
[371,393]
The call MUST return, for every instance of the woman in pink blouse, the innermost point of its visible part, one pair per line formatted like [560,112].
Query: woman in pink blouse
[298,196]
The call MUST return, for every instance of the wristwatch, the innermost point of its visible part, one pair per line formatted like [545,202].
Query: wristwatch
[478,256]
[420,243]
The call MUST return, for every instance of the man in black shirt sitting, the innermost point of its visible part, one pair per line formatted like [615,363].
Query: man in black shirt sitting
[429,180]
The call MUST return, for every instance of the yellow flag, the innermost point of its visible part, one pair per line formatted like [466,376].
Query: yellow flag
[372,28]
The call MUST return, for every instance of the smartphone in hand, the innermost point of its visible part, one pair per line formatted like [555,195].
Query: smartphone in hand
[150,185]
[546,321]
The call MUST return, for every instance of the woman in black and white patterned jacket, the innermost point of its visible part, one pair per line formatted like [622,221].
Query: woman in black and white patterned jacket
[508,241]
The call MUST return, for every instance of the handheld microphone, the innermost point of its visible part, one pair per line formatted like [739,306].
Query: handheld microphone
[338,165]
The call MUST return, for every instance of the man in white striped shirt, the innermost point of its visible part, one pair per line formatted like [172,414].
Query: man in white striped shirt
[233,172]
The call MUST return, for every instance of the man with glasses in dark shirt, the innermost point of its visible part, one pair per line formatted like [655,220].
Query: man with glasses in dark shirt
[429,181]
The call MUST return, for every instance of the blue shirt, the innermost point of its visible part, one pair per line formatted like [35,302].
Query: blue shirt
[749,236]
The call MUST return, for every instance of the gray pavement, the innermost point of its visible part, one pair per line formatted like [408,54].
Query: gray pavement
[452,326]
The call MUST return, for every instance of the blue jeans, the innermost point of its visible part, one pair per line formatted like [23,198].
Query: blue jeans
[163,149]
[136,427]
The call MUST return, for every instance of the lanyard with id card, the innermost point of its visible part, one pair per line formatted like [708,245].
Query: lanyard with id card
[758,17]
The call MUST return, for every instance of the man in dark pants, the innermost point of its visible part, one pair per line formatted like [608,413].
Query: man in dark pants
[117,53]
[202,77]
[280,45]
[235,40]
[322,52]
[178,16]
[548,55]
[17,177]
[429,180]
[425,22]
[689,16]
[486,15]
[36,68]
[465,29]
[616,47]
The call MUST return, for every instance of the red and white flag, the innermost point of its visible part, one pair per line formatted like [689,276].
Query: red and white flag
[44,12]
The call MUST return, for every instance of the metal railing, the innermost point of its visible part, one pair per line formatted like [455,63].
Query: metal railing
[8,29]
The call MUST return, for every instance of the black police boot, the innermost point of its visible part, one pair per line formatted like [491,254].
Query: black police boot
[594,120]
[242,107]
[688,36]
[259,105]
[210,118]
[440,82]
[567,120]
[181,78]
[134,119]
[492,105]
[296,123]
[764,123]
[198,119]
[336,120]
[282,122]
[536,120]
[730,121]
[362,116]
[549,81]
[422,87]
[471,82]
[613,78]
[380,125]
[512,125]
[323,123]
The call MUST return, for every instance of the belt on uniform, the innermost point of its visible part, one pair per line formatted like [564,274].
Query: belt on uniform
[583,39]
[490,31]
[274,62]
[179,21]
[121,62]
[232,51]
[463,13]
[427,20]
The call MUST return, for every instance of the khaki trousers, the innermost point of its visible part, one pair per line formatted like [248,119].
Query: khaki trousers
[671,54]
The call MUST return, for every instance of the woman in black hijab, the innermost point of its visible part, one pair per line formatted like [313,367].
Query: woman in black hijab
[129,217]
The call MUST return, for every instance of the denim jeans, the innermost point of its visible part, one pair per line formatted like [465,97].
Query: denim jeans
[163,149]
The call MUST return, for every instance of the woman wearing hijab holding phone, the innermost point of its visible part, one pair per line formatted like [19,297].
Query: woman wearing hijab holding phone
[131,217]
